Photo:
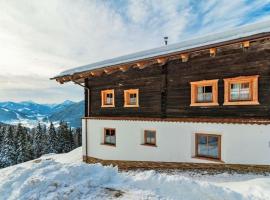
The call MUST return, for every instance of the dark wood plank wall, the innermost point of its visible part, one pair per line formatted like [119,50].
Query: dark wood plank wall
[148,81]
[165,90]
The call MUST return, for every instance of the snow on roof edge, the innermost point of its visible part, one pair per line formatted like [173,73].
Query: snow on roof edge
[236,33]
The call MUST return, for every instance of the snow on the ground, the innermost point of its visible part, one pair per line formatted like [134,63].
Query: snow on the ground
[65,176]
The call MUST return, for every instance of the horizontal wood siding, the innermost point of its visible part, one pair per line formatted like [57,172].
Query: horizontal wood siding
[148,83]
[228,63]
[165,90]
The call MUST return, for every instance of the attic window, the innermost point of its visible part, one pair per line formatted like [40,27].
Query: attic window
[241,90]
[204,93]
[131,98]
[107,98]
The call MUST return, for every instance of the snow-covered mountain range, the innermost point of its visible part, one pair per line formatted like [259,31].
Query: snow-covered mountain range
[29,113]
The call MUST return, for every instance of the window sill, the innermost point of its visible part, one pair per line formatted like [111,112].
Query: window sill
[209,159]
[110,145]
[239,103]
[204,104]
[149,145]
[131,106]
[107,106]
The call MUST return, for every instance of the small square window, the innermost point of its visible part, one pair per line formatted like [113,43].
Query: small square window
[109,136]
[150,137]
[208,146]
[204,93]
[131,98]
[241,90]
[107,98]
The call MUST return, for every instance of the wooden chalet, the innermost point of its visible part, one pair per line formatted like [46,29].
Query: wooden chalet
[202,101]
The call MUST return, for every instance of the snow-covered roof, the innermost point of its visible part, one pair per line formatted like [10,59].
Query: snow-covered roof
[236,33]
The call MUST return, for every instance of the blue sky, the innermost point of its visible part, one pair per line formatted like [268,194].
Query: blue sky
[39,39]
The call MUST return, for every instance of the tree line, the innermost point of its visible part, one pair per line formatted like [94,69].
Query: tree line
[19,144]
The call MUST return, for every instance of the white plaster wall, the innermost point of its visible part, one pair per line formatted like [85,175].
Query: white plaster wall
[83,137]
[240,144]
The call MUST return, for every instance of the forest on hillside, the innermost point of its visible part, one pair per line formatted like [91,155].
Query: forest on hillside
[20,144]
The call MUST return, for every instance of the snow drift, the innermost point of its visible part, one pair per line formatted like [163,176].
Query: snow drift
[64,176]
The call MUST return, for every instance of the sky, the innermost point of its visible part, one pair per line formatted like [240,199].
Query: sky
[39,39]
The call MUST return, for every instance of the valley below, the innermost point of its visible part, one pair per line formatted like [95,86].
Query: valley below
[29,113]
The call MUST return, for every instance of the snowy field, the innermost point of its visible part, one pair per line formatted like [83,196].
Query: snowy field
[64,176]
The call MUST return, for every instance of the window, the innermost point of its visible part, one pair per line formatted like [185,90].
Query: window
[150,137]
[131,98]
[208,146]
[204,93]
[107,98]
[109,136]
[241,90]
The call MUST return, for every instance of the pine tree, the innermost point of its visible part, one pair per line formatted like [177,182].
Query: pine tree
[44,141]
[71,140]
[8,150]
[2,134]
[65,138]
[52,139]
[22,142]
[37,141]
[78,137]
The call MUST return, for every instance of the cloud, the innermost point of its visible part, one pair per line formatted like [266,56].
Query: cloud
[39,39]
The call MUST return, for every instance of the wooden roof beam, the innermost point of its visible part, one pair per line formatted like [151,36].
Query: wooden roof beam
[111,70]
[184,57]
[213,52]
[124,68]
[140,65]
[162,61]
[245,44]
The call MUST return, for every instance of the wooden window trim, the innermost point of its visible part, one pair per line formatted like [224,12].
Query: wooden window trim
[147,144]
[103,95]
[252,80]
[131,91]
[207,157]
[104,137]
[196,84]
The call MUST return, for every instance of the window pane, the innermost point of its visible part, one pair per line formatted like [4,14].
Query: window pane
[213,146]
[240,91]
[107,139]
[132,99]
[244,91]
[208,146]
[107,131]
[204,94]
[113,139]
[208,89]
[109,99]
[110,137]
[112,132]
[202,145]
[150,137]
[235,89]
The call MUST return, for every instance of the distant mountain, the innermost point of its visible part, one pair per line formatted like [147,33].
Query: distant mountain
[69,114]
[29,113]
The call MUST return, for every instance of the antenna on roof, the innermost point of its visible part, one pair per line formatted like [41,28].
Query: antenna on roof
[166,40]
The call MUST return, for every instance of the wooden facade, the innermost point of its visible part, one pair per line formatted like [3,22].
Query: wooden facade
[165,89]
